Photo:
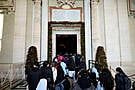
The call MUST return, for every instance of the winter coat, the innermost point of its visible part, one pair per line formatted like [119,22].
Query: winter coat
[33,79]
[93,78]
[60,74]
[119,81]
[46,73]
[84,82]
[77,87]
[71,65]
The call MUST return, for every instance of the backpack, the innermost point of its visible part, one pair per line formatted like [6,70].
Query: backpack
[60,86]
[127,83]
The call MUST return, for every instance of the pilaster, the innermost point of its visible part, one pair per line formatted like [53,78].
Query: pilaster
[36,27]
[88,38]
[44,31]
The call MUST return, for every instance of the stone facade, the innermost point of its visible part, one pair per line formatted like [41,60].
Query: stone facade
[110,26]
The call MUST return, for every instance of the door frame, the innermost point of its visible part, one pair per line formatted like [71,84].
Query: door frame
[65,32]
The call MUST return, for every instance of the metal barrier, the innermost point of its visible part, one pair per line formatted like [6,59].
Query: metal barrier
[10,72]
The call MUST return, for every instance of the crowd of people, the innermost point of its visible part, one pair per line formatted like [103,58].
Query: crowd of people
[68,72]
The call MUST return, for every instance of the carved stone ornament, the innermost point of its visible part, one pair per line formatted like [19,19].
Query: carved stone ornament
[7,6]
[66,3]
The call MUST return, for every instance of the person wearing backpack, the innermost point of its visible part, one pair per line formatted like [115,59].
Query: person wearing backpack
[61,70]
[122,80]
[46,73]
[106,79]
[33,77]
[84,81]
[63,85]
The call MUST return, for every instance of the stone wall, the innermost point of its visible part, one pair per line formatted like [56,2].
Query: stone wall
[13,41]
[114,30]
[132,35]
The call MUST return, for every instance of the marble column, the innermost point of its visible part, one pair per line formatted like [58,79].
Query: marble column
[88,43]
[44,31]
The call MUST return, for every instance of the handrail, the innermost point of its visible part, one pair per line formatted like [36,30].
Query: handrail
[131,75]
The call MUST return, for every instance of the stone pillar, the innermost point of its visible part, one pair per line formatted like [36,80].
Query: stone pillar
[124,33]
[29,25]
[101,22]
[36,25]
[88,42]
[44,38]
[95,28]
[19,31]
[112,32]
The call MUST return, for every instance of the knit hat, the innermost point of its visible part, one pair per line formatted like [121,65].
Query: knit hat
[60,58]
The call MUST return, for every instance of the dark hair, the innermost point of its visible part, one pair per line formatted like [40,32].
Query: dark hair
[83,73]
[107,79]
[32,54]
[31,59]
[118,69]
[36,63]
[45,63]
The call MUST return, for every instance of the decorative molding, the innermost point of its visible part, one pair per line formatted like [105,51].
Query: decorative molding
[132,5]
[70,3]
[131,10]
[95,0]
[7,6]
[37,1]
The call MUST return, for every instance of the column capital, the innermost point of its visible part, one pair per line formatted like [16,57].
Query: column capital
[37,1]
[94,0]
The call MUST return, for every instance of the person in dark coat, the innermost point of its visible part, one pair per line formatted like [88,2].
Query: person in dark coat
[93,78]
[60,72]
[106,79]
[46,72]
[84,81]
[119,79]
[33,77]
[71,67]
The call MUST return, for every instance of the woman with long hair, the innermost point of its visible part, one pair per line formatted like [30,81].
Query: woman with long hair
[100,59]
[106,79]
[30,59]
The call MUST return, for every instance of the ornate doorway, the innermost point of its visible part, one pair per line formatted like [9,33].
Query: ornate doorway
[66,44]
[65,41]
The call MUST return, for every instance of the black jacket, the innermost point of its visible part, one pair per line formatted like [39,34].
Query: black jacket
[84,82]
[33,79]
[120,85]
